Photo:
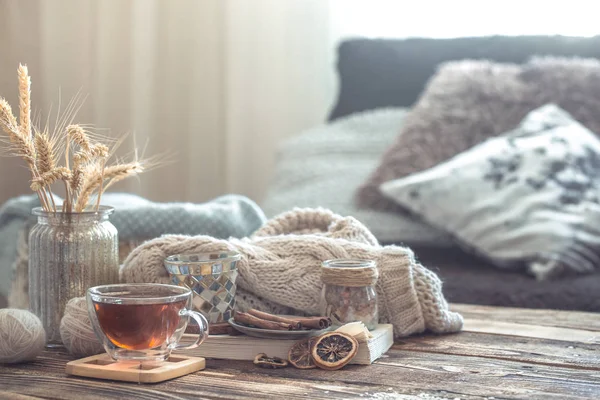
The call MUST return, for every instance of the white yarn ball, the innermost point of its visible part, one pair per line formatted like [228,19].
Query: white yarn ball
[76,330]
[22,336]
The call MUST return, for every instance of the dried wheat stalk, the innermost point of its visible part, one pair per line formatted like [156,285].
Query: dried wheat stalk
[49,177]
[77,134]
[24,100]
[90,175]
[81,166]
[45,160]
[45,153]
[97,176]
[7,118]
[20,145]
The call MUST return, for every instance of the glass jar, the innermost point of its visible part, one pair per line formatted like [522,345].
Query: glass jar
[69,253]
[349,293]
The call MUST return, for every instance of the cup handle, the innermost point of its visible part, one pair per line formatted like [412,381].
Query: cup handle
[202,324]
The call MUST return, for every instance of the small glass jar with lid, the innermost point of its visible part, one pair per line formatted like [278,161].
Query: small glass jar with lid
[349,293]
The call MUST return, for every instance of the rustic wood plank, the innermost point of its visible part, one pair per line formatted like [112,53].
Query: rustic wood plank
[525,350]
[518,360]
[53,387]
[560,319]
[400,373]
[447,375]
[16,396]
[488,377]
[532,331]
[206,387]
[45,378]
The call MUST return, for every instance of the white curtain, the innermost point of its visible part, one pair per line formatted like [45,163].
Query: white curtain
[218,84]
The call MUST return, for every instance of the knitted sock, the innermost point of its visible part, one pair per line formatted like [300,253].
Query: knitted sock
[280,269]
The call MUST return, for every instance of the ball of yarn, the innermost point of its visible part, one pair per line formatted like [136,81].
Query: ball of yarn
[22,336]
[76,330]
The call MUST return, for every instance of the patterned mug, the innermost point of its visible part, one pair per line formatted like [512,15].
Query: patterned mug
[211,277]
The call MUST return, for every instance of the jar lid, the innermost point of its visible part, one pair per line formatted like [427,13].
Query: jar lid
[349,272]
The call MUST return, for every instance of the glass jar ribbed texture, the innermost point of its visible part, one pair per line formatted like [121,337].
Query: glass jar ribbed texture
[69,253]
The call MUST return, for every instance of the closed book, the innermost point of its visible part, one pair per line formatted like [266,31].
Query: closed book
[244,347]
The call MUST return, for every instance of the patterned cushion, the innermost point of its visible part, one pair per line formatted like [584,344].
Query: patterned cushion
[530,196]
[467,102]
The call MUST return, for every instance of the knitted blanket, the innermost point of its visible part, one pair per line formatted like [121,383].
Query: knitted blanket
[136,220]
[280,269]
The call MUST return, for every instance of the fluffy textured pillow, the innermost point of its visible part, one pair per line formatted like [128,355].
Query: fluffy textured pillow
[467,102]
[531,195]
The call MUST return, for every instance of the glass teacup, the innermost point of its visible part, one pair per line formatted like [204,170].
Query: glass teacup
[143,322]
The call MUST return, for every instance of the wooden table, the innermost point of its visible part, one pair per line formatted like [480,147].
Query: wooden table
[502,353]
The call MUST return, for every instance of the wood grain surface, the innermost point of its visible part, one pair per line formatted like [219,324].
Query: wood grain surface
[522,354]
[559,319]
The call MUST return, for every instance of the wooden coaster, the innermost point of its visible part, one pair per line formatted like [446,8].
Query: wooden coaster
[102,366]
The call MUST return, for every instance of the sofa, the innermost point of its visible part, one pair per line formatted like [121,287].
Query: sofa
[380,80]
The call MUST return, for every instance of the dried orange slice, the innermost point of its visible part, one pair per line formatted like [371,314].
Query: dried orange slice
[299,355]
[333,350]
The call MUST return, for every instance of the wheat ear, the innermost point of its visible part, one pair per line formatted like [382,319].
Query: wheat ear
[45,158]
[22,144]
[25,122]
[77,134]
[45,154]
[95,178]
[86,153]
[77,178]
[25,127]
[80,159]
[7,118]
[24,100]
[49,177]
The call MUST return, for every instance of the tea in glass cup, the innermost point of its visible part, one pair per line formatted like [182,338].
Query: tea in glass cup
[143,322]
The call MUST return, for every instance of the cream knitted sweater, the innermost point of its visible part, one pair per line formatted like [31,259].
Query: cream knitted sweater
[280,269]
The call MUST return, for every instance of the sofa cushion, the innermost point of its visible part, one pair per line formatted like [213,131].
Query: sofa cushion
[467,102]
[528,197]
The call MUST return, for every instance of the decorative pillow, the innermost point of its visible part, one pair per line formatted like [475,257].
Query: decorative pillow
[467,102]
[530,196]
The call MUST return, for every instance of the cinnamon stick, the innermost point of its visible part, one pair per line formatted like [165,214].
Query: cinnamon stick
[315,322]
[296,322]
[248,319]
[276,318]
